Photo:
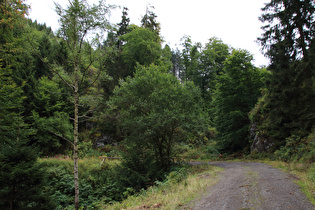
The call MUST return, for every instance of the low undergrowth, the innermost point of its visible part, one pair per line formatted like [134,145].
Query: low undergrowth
[96,181]
[179,188]
[103,185]
[192,152]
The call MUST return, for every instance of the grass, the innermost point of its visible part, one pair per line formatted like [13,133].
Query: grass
[171,194]
[89,162]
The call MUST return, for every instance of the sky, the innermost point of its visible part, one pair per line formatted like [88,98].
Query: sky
[235,22]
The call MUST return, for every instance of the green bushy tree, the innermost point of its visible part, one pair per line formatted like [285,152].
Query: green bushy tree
[141,46]
[236,94]
[155,110]
[203,65]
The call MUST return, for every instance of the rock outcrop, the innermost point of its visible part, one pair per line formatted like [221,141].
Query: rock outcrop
[260,143]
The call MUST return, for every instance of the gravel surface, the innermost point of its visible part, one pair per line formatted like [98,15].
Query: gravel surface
[249,185]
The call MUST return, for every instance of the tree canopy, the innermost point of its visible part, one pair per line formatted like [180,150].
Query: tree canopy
[236,94]
[154,109]
[287,39]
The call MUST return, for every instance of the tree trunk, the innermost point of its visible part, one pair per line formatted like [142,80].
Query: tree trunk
[75,142]
[12,198]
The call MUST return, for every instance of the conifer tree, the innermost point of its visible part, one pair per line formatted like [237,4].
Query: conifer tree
[287,105]
[123,26]
[21,178]
[149,21]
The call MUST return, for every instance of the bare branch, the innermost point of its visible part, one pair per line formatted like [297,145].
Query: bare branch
[85,116]
[99,74]
[85,70]
[61,137]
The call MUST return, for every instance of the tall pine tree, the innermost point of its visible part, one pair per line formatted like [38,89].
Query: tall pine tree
[288,105]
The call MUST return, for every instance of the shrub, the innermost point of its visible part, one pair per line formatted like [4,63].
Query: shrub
[97,182]
[298,149]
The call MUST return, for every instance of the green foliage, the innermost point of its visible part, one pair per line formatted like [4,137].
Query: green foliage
[312,173]
[286,113]
[53,133]
[87,150]
[141,47]
[113,61]
[212,59]
[22,179]
[236,94]
[50,118]
[175,176]
[138,169]
[166,58]
[48,97]
[298,149]
[285,108]
[79,21]
[155,110]
[12,21]
[190,59]
[11,99]
[123,25]
[187,152]
[149,21]
[203,65]
[15,53]
[98,182]
[152,112]
[293,29]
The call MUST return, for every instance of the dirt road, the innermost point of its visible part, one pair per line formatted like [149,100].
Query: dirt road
[257,186]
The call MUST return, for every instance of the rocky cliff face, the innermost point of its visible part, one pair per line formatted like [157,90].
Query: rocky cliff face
[260,143]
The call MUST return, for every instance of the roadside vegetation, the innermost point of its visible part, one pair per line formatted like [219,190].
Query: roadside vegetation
[179,188]
[102,186]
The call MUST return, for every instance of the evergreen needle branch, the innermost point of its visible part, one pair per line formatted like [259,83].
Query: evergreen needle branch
[50,67]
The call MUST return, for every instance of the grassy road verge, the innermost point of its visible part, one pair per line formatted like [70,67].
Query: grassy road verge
[173,193]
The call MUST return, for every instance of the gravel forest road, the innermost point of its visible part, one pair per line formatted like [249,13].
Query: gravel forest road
[250,185]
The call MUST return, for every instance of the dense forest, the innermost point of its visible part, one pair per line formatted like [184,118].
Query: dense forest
[95,88]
